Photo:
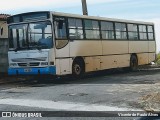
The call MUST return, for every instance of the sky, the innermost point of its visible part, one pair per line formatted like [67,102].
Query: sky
[143,10]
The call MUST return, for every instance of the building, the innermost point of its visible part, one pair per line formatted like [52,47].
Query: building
[3,43]
[3,26]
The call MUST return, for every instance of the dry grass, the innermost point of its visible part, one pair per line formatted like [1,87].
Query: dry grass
[150,102]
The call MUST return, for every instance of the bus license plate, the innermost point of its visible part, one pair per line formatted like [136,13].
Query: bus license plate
[28,70]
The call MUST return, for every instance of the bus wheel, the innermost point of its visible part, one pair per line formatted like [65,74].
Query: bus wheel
[77,69]
[133,63]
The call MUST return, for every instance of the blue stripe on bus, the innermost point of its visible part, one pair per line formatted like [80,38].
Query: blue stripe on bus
[32,71]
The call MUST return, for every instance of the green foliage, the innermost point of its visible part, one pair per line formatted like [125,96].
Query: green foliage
[158,59]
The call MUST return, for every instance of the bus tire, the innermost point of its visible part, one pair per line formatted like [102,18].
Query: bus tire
[133,63]
[77,69]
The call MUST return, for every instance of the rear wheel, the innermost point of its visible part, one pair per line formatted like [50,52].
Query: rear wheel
[133,63]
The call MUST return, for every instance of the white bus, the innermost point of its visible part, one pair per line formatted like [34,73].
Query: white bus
[59,44]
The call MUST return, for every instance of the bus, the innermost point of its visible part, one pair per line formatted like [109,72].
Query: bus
[54,43]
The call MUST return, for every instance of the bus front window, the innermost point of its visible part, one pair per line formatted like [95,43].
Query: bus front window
[40,34]
[17,36]
[30,36]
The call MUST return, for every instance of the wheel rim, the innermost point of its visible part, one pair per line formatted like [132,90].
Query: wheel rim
[77,69]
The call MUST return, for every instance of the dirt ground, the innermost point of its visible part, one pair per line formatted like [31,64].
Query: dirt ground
[145,84]
[150,102]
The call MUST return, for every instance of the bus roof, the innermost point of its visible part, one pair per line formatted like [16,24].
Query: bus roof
[85,17]
[100,18]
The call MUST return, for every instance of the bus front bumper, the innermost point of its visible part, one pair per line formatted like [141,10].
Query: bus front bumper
[32,71]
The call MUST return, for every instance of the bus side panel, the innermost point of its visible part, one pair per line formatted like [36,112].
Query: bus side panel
[152,57]
[63,60]
[88,64]
[152,51]
[114,47]
[85,48]
[97,63]
[63,66]
[152,46]
[115,61]
[143,58]
[138,47]
[58,70]
[63,52]
[92,63]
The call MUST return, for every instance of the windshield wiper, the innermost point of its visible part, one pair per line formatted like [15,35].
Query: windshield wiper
[18,48]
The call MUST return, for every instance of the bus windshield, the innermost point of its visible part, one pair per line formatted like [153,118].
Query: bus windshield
[30,36]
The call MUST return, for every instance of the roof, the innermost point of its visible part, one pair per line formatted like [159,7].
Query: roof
[100,18]
[89,17]
[4,16]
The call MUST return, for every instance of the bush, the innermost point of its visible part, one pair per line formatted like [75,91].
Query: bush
[158,59]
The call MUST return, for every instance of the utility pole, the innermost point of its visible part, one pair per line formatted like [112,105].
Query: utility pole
[84,7]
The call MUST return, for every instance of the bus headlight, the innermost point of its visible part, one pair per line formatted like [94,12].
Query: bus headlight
[44,63]
[52,63]
[13,64]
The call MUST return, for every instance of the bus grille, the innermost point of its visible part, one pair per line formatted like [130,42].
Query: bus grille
[29,59]
[32,64]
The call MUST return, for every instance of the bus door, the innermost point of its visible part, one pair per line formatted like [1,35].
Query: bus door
[62,46]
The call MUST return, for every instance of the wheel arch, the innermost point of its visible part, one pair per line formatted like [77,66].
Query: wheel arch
[134,54]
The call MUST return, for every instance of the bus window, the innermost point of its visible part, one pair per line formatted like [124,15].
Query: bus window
[92,29]
[150,32]
[60,28]
[40,34]
[107,30]
[60,32]
[75,28]
[142,32]
[121,32]
[18,36]
[132,32]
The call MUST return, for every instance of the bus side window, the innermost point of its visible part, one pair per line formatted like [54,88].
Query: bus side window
[142,32]
[60,29]
[60,32]
[150,30]
[75,28]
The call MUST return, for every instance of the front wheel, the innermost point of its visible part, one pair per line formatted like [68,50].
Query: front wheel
[77,69]
[133,63]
